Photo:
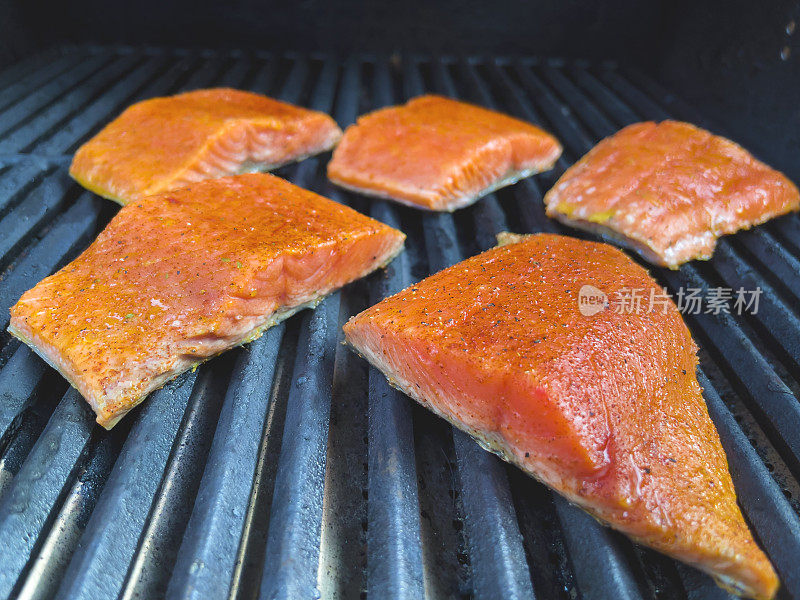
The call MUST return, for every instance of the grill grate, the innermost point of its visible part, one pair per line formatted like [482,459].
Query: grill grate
[289,468]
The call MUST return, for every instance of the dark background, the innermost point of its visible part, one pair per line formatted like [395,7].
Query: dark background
[737,61]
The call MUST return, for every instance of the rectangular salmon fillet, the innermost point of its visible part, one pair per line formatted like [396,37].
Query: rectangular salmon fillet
[439,154]
[167,143]
[179,277]
[602,405]
[668,190]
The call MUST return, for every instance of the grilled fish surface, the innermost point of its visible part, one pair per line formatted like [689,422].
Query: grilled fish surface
[605,408]
[167,143]
[669,190]
[439,154]
[179,277]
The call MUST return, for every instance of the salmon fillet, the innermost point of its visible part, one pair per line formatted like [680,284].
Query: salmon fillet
[179,277]
[668,191]
[604,408]
[167,143]
[439,154]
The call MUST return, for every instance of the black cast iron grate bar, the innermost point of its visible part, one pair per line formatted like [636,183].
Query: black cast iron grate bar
[37,208]
[35,100]
[293,551]
[19,89]
[394,564]
[14,74]
[98,567]
[18,180]
[28,503]
[406,547]
[30,128]
[345,483]
[206,563]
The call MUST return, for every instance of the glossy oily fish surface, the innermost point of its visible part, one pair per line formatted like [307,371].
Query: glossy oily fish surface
[167,143]
[669,190]
[439,154]
[178,277]
[603,405]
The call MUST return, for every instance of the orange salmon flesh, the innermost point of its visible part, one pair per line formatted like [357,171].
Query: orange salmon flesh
[167,143]
[605,408]
[668,191]
[439,154]
[179,277]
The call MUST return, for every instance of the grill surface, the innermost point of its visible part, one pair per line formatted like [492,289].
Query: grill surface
[290,469]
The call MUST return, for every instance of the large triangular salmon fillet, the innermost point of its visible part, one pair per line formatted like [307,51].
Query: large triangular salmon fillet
[668,190]
[166,143]
[439,154]
[179,277]
[605,408]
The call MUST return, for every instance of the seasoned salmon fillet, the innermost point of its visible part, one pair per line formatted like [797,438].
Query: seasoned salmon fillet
[602,405]
[439,154]
[167,143]
[181,276]
[668,190]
